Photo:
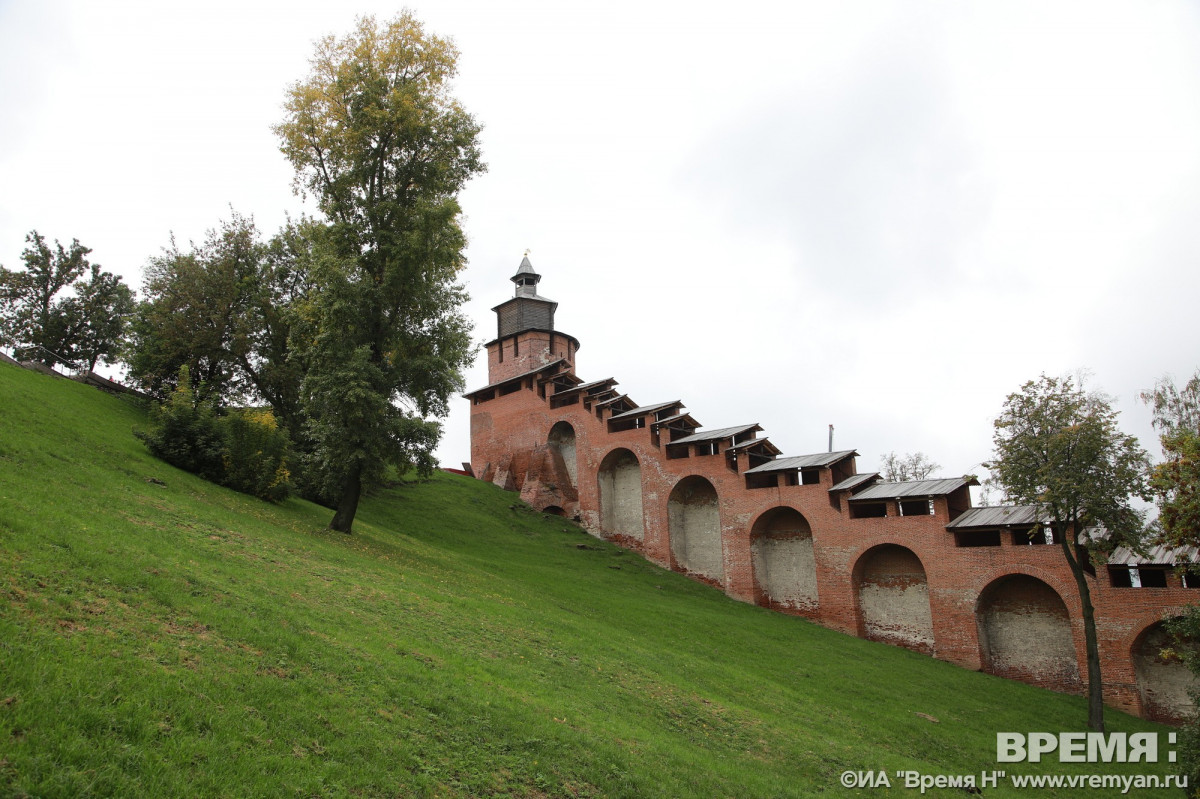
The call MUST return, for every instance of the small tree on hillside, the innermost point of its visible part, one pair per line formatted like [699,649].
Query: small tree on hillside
[98,316]
[902,468]
[1058,447]
[43,325]
[31,319]
[1176,486]
[1176,481]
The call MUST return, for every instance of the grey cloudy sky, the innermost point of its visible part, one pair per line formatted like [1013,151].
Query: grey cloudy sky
[881,216]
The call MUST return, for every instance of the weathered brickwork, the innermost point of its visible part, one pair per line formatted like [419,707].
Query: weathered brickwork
[902,563]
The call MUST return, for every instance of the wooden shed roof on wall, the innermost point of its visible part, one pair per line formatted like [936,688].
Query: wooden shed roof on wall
[620,398]
[999,516]
[763,443]
[913,488]
[819,460]
[680,417]
[1156,556]
[553,364]
[716,435]
[645,409]
[855,480]
[607,382]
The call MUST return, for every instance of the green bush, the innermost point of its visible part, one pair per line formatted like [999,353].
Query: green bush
[244,450]
[186,433]
[255,455]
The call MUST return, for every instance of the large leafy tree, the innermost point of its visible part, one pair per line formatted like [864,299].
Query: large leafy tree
[1058,447]
[45,324]
[193,313]
[225,310]
[1176,481]
[378,139]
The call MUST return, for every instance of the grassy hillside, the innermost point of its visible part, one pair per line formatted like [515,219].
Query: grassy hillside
[178,639]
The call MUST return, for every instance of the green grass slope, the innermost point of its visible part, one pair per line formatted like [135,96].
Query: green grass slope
[184,640]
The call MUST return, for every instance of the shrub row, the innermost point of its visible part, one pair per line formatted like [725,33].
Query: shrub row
[242,449]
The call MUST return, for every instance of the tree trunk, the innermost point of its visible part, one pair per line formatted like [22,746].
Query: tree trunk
[343,519]
[1095,681]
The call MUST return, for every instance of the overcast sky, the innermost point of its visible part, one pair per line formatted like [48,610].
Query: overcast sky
[880,216]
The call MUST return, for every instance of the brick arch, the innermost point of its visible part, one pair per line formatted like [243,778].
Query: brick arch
[561,441]
[694,526]
[1062,584]
[785,569]
[1163,681]
[619,480]
[893,598]
[1025,633]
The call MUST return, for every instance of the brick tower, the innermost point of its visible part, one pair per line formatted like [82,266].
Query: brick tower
[525,335]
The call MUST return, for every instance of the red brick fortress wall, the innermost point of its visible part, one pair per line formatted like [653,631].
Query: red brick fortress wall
[982,599]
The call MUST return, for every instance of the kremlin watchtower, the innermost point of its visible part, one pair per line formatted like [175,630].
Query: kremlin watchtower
[525,334]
